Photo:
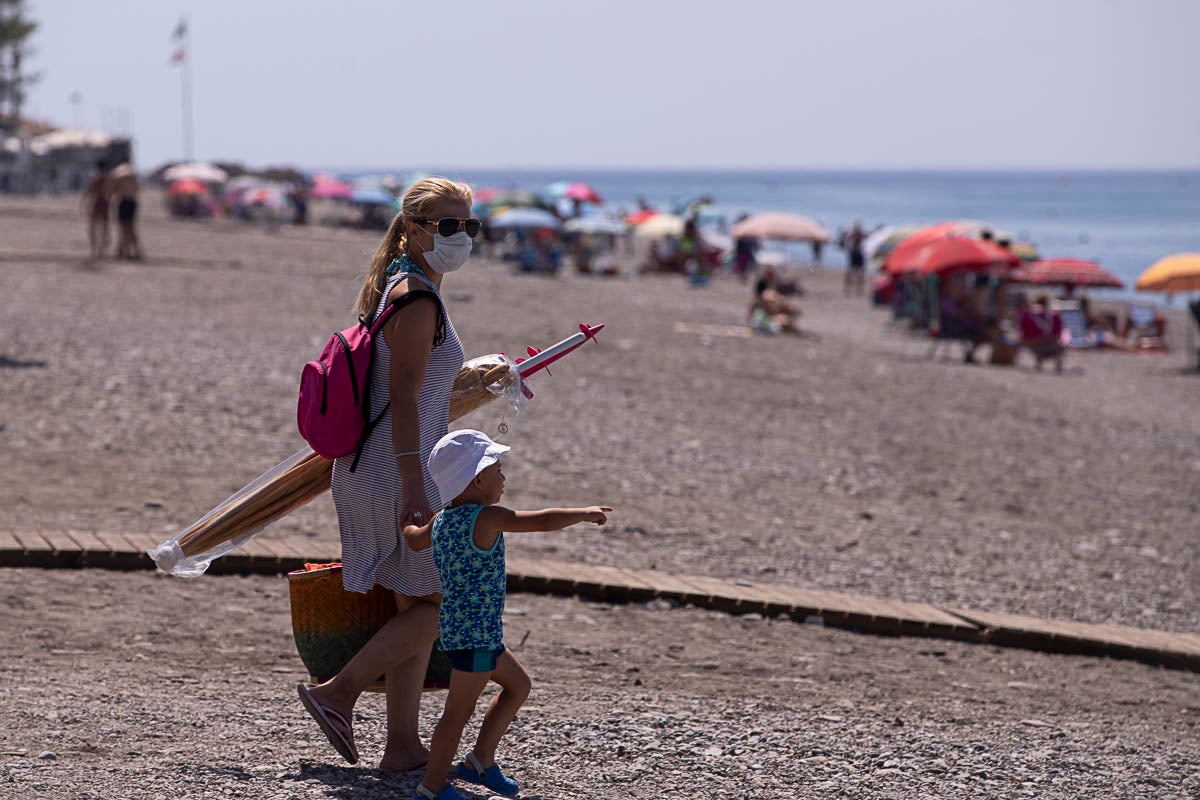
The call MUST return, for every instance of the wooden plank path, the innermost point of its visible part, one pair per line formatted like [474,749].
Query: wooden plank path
[279,555]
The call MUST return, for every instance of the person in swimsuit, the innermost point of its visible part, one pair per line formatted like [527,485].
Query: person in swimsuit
[95,206]
[125,189]
[467,541]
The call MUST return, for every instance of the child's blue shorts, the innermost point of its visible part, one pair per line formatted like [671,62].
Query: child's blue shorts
[475,659]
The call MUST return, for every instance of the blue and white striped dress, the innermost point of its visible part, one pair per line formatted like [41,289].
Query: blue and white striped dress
[369,500]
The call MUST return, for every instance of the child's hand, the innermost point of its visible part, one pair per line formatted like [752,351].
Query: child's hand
[418,538]
[596,514]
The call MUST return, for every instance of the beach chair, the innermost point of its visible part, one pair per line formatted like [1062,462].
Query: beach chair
[1146,328]
[1075,327]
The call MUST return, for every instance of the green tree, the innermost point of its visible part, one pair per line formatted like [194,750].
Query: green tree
[15,29]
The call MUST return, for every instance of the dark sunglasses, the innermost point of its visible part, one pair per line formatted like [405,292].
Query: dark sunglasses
[448,226]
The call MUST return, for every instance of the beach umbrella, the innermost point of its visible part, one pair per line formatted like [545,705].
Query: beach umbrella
[780,225]
[640,216]
[187,186]
[525,218]
[1066,272]
[660,225]
[572,190]
[595,225]
[508,198]
[1176,273]
[372,195]
[196,171]
[305,475]
[951,255]
[327,187]
[884,240]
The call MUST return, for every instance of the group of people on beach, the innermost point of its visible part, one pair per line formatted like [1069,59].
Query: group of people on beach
[118,187]
[418,514]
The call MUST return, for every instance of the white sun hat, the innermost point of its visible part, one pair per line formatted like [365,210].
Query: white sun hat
[458,457]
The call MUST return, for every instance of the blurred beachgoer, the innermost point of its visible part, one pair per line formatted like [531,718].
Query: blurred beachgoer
[817,247]
[744,249]
[95,203]
[415,362]
[298,197]
[467,541]
[1041,332]
[852,242]
[125,189]
[692,253]
[770,311]
[958,319]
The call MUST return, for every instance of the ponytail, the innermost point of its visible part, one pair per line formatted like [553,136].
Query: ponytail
[389,250]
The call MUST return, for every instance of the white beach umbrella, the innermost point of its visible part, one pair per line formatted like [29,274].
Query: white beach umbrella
[196,171]
[660,226]
[595,225]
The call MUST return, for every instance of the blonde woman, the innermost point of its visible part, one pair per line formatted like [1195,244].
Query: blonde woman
[413,365]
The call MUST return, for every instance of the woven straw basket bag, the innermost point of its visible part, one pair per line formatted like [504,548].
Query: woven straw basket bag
[331,624]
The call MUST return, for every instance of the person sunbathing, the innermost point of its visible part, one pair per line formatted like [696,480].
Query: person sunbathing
[770,311]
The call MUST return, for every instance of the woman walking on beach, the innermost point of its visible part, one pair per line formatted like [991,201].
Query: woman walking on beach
[414,365]
[95,205]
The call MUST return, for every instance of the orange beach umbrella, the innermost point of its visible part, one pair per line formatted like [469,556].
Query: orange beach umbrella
[1177,273]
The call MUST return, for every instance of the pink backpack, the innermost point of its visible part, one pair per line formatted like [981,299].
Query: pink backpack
[334,412]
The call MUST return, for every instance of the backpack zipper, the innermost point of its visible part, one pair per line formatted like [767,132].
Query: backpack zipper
[350,362]
[324,386]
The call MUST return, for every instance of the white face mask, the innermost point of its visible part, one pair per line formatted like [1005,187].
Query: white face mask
[449,252]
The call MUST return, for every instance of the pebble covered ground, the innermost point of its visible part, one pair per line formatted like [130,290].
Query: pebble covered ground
[136,396]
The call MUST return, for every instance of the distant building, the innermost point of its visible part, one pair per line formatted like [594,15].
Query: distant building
[56,161]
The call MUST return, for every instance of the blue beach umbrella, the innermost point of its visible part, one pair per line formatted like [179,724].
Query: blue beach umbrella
[372,195]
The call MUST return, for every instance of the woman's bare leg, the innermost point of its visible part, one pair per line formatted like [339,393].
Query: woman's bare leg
[405,682]
[404,636]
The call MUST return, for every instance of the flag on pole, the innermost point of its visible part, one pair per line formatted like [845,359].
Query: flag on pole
[180,30]
[179,55]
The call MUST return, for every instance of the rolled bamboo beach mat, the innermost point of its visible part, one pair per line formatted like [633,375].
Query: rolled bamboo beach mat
[331,624]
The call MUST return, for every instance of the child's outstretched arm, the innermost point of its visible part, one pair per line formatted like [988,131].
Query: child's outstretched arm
[494,519]
[419,538]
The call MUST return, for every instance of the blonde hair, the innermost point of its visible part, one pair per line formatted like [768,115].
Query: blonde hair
[416,204]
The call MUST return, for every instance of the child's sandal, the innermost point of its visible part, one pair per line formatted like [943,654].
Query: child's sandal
[449,793]
[491,777]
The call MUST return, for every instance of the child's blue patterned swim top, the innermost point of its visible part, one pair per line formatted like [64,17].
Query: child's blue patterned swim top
[473,582]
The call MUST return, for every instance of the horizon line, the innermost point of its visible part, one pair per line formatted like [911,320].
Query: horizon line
[760,169]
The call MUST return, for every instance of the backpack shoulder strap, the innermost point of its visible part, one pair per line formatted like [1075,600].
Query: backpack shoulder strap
[406,299]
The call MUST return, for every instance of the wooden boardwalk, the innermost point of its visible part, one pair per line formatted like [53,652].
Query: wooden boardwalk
[278,555]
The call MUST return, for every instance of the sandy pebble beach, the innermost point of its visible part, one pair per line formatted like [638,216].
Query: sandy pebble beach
[138,395]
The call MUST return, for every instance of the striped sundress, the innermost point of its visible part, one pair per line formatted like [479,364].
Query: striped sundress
[368,500]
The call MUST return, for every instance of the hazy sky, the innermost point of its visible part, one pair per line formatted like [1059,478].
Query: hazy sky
[636,83]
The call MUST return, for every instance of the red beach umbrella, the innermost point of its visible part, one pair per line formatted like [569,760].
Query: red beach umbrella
[576,190]
[951,255]
[640,216]
[185,187]
[1067,272]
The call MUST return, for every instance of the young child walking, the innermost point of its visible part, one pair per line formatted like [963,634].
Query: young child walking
[467,537]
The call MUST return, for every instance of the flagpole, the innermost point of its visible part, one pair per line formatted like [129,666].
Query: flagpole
[186,73]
